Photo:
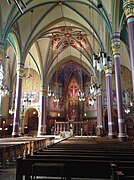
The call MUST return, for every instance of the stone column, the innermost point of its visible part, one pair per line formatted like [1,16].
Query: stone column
[111,125]
[116,55]
[42,118]
[58,128]
[20,72]
[128,7]
[99,115]
[2,59]
[64,126]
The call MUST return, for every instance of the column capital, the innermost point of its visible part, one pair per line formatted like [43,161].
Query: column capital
[43,90]
[108,70]
[20,69]
[115,43]
[128,7]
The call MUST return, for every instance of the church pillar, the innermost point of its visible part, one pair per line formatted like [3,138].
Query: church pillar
[2,60]
[128,7]
[99,114]
[58,128]
[20,72]
[116,55]
[111,125]
[42,118]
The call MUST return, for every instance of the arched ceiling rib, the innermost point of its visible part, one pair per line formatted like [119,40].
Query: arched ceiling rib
[39,5]
[48,16]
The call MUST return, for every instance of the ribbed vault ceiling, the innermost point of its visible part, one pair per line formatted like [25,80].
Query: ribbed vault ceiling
[52,32]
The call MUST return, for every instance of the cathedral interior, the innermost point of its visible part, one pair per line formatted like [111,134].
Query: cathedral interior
[67,68]
[66,65]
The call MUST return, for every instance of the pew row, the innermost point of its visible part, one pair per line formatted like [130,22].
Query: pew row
[122,170]
[72,168]
[11,148]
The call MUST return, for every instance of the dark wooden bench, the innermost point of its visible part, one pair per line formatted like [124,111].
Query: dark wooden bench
[74,157]
[104,148]
[121,169]
[73,167]
[84,159]
[119,175]
[85,153]
[116,157]
[48,169]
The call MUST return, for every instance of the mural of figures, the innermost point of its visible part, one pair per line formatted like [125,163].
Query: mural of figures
[73,89]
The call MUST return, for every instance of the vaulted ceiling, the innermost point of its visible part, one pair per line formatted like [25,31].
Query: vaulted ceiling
[50,33]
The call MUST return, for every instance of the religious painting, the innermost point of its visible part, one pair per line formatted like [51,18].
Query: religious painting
[56,105]
[73,99]
[73,90]
[31,97]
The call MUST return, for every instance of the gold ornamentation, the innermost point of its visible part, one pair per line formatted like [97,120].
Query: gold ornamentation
[116,47]
[43,91]
[108,70]
[21,72]
[128,7]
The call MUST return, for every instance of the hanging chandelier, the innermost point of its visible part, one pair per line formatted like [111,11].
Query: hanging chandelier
[81,95]
[4,91]
[56,99]
[127,110]
[95,89]
[18,5]
[50,92]
[3,88]
[128,102]
[11,111]
[101,61]
[91,101]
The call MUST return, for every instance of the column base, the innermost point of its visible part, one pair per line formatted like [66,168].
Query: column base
[112,135]
[15,135]
[40,134]
[21,134]
[123,138]
[41,131]
[100,132]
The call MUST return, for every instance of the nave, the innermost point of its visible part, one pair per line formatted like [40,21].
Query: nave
[66,70]
[67,66]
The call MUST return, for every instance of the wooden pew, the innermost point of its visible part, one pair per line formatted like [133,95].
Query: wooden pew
[74,157]
[12,148]
[119,175]
[115,157]
[48,169]
[73,167]
[121,169]
[90,155]
[82,152]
